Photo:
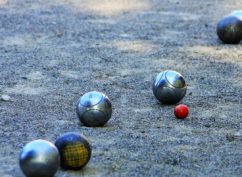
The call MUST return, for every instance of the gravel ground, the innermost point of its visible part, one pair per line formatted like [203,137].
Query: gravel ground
[52,52]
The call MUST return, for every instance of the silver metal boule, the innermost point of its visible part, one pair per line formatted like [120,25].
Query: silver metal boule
[229,28]
[169,87]
[238,14]
[39,158]
[94,109]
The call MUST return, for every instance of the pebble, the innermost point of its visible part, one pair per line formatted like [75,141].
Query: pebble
[6,98]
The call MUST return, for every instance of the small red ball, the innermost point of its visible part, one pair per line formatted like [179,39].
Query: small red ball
[181,111]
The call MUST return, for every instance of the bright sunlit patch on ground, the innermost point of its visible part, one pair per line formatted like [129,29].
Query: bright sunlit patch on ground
[181,15]
[133,71]
[23,40]
[2,2]
[32,87]
[36,76]
[231,55]
[70,74]
[25,90]
[108,7]
[15,40]
[133,46]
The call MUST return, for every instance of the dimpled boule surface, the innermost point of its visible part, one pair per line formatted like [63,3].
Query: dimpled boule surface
[94,109]
[169,87]
[51,52]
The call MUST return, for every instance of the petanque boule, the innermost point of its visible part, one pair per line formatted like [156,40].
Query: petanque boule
[75,150]
[237,13]
[169,87]
[39,158]
[94,109]
[229,28]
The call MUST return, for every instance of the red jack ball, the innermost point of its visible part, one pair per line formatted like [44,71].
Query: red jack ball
[181,111]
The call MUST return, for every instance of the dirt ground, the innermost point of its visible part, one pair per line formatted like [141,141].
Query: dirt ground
[52,52]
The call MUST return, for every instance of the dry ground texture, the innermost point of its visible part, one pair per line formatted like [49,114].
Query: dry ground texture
[53,51]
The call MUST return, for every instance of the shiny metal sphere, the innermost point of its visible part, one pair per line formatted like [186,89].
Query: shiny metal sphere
[229,28]
[169,87]
[75,150]
[94,109]
[39,158]
[238,14]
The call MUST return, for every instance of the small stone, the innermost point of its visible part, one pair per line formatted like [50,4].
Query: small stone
[60,34]
[207,125]
[174,162]
[6,98]
[24,78]
[238,134]
[230,137]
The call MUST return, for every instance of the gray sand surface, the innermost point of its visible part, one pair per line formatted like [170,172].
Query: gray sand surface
[54,51]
